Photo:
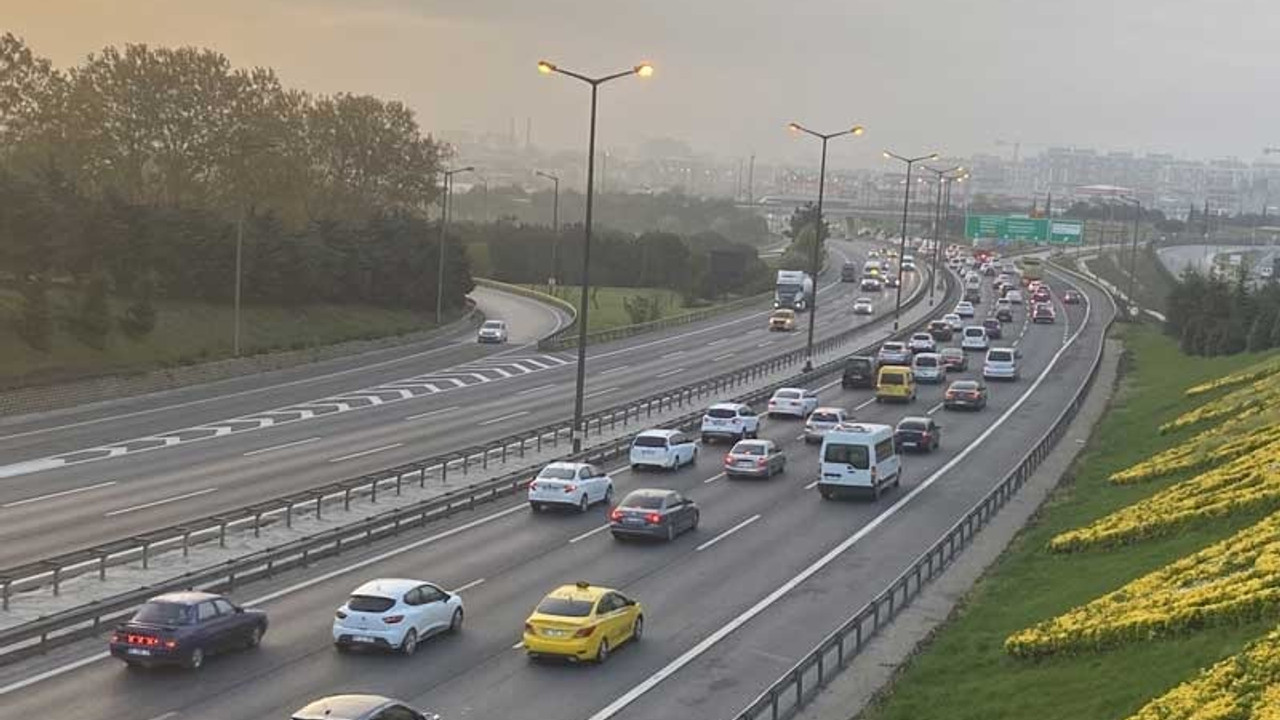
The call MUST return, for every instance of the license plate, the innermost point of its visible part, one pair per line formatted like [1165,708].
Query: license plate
[363,639]
[908,443]
[632,521]
[555,633]
[139,651]
[744,463]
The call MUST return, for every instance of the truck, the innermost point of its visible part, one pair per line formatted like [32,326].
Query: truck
[794,290]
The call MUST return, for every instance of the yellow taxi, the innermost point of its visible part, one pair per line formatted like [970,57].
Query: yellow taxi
[783,319]
[582,622]
[895,382]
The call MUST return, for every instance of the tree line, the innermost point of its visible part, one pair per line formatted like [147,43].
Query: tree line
[131,173]
[1217,316]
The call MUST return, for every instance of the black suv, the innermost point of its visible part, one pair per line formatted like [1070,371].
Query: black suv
[859,372]
[183,628]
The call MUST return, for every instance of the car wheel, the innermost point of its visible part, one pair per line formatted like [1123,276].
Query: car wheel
[455,623]
[671,532]
[583,504]
[826,494]
[706,440]
[536,507]
[637,629]
[897,480]
[602,652]
[195,660]
[254,638]
[342,648]
[409,645]
[608,495]
[694,524]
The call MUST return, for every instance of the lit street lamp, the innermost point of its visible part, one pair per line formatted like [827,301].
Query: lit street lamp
[555,225]
[445,199]
[642,70]
[937,212]
[817,230]
[906,202]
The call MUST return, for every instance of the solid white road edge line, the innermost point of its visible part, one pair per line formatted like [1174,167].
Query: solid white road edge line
[769,600]
[727,533]
[51,496]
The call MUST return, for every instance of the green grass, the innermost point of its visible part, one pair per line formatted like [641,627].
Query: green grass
[607,311]
[1152,284]
[963,673]
[190,332]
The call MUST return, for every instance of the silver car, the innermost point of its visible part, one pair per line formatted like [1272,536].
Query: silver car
[894,353]
[754,458]
[820,421]
[360,707]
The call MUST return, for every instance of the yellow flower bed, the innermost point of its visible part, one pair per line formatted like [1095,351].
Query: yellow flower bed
[1216,445]
[1251,482]
[1237,579]
[1249,374]
[1263,393]
[1246,685]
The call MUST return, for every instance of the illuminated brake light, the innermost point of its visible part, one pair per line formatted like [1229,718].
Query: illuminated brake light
[762,462]
[653,518]
[570,488]
[585,632]
[615,514]
[170,644]
[392,619]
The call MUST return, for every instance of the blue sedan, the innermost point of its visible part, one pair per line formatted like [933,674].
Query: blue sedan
[184,628]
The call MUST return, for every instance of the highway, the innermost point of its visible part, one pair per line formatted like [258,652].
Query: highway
[771,570]
[102,500]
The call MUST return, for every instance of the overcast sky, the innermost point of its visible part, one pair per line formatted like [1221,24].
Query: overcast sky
[1194,78]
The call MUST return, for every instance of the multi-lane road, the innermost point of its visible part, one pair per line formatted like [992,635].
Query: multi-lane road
[771,569]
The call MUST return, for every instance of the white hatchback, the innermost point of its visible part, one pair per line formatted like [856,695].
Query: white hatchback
[668,449]
[395,614]
[569,484]
[796,402]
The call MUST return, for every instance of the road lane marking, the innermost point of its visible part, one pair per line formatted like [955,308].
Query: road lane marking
[772,598]
[518,645]
[598,393]
[669,373]
[504,418]
[441,411]
[712,479]
[166,716]
[728,532]
[156,503]
[935,408]
[538,389]
[725,356]
[812,485]
[273,448]
[766,343]
[363,453]
[468,586]
[587,534]
[859,407]
[671,354]
[611,371]
[51,496]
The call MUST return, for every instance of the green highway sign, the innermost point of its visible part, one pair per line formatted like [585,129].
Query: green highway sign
[1024,229]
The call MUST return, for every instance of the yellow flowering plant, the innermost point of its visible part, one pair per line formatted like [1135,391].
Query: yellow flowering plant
[1246,685]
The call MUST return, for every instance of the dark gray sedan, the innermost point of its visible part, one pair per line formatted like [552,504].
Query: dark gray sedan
[754,458]
[652,513]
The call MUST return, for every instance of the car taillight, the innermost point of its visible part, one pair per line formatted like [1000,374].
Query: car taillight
[615,514]
[653,518]
[170,644]
[392,619]
[761,462]
[533,485]
[950,395]
[570,488]
[340,615]
[924,437]
[585,632]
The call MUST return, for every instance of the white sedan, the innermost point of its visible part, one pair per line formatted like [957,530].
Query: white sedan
[955,321]
[492,331]
[863,306]
[964,309]
[570,484]
[395,614]
[793,401]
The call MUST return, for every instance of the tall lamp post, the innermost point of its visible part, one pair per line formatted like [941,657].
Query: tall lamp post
[940,175]
[642,70]
[946,216]
[555,225]
[444,220]
[1133,253]
[906,202]
[818,225]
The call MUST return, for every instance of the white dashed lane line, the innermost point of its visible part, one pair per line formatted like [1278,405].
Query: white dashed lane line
[504,418]
[727,533]
[441,411]
[587,534]
[157,503]
[363,453]
[669,373]
[64,493]
[284,446]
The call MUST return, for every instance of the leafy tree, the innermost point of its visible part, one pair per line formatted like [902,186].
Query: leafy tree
[35,324]
[92,323]
[140,316]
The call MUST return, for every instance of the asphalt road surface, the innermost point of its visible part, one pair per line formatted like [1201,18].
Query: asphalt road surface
[770,571]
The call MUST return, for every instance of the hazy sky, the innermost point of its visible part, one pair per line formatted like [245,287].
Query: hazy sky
[1195,78]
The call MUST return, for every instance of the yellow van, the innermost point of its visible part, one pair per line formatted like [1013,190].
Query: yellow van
[895,382]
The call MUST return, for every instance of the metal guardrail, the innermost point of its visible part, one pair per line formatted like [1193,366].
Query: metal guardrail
[60,628]
[805,679]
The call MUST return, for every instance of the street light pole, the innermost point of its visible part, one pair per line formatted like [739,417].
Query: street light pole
[555,226]
[445,198]
[546,68]
[906,202]
[941,176]
[1133,253]
[815,261]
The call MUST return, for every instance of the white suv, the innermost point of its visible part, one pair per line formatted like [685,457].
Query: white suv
[796,402]
[492,331]
[974,337]
[662,449]
[569,484]
[731,421]
[395,614]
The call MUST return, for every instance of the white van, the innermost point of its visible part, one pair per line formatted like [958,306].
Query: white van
[858,458]
[662,448]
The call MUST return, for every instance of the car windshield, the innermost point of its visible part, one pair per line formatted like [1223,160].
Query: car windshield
[370,603]
[565,607]
[164,613]
[722,413]
[824,417]
[974,332]
[891,379]
[787,395]
[1000,356]
[857,456]
[913,424]
[964,386]
[859,364]
[557,473]
[926,361]
[922,337]
[892,347]
[493,325]
[748,449]
[650,441]
[952,353]
[643,501]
